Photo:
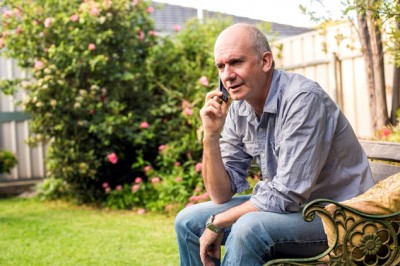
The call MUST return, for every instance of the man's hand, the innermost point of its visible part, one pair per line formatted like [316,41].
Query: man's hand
[213,113]
[210,247]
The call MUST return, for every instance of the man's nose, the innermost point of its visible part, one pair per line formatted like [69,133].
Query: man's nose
[228,74]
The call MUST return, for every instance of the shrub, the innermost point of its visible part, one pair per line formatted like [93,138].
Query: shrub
[86,94]
[7,161]
[116,103]
[390,133]
[178,85]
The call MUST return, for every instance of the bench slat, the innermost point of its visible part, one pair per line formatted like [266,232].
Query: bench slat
[388,151]
[380,170]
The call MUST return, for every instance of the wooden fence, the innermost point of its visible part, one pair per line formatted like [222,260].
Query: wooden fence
[333,58]
[14,131]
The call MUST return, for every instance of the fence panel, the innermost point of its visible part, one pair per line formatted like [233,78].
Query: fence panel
[14,131]
[333,59]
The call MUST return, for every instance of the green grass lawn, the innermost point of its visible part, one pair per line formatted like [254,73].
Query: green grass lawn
[57,233]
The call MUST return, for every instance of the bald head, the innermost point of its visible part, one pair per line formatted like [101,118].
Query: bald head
[249,34]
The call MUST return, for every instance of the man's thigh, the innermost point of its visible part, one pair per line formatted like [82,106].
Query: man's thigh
[287,235]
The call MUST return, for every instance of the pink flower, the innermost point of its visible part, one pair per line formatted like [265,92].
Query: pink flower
[38,65]
[92,46]
[177,164]
[198,167]
[119,187]
[141,211]
[155,180]
[204,81]
[108,189]
[138,180]
[386,132]
[189,204]
[177,27]
[153,33]
[35,23]
[144,125]
[140,35]
[47,22]
[185,104]
[204,196]
[4,34]
[105,185]
[112,158]
[178,179]
[17,12]
[1,43]
[7,14]
[188,111]
[135,188]
[74,17]
[18,30]
[135,2]
[94,11]
[148,168]
[162,147]
[168,207]
[193,198]
[150,9]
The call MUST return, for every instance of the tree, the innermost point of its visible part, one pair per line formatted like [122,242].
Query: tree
[370,19]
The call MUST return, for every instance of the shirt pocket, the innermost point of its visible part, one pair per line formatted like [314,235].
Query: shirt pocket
[251,148]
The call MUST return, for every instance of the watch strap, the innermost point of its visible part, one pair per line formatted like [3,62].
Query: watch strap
[212,226]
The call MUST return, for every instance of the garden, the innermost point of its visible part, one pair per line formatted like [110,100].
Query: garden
[117,105]
[116,102]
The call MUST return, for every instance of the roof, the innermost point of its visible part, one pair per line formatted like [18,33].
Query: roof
[167,17]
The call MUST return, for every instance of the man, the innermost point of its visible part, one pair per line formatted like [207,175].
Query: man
[303,144]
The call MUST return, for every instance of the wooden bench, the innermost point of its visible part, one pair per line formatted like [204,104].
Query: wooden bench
[381,246]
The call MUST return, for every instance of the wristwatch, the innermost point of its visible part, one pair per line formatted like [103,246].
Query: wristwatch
[213,227]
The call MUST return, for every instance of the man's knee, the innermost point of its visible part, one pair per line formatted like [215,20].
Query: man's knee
[248,226]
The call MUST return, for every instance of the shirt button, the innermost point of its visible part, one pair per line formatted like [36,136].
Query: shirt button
[260,129]
[262,154]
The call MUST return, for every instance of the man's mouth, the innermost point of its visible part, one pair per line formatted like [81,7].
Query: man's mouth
[234,87]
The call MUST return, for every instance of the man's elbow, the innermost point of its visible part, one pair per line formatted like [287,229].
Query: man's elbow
[220,199]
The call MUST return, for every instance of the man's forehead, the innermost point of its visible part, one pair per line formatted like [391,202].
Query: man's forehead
[229,54]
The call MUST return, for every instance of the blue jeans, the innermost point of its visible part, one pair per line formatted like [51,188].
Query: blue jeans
[254,239]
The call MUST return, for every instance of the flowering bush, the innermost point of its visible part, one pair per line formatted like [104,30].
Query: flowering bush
[179,72]
[118,105]
[86,95]
[7,161]
[390,133]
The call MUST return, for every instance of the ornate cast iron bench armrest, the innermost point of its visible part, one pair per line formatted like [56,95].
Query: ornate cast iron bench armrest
[357,238]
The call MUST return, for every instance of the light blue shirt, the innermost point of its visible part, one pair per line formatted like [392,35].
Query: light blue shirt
[304,145]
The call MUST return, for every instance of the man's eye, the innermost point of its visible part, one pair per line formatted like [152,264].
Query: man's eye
[236,63]
[220,67]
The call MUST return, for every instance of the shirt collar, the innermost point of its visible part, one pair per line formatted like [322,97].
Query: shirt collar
[271,104]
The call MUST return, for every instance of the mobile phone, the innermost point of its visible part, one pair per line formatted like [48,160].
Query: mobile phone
[221,87]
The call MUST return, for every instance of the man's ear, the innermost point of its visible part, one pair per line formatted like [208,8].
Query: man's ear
[268,61]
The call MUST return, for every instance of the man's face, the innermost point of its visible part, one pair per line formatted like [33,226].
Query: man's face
[239,68]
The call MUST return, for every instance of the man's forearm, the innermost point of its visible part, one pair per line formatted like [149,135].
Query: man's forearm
[216,179]
[229,217]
